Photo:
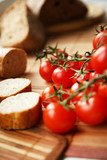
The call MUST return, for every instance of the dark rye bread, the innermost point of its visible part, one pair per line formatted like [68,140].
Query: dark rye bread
[52,12]
[19,27]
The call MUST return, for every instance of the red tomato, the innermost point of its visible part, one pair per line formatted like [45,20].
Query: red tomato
[88,64]
[100,39]
[93,75]
[99,59]
[102,89]
[73,64]
[58,119]
[73,89]
[46,70]
[93,111]
[60,75]
[59,56]
[60,51]
[95,85]
[47,92]
[80,78]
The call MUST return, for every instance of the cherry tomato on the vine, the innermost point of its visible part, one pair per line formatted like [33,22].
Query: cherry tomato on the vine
[88,64]
[93,75]
[64,76]
[92,111]
[49,91]
[73,89]
[80,78]
[72,64]
[95,85]
[100,39]
[58,54]
[58,119]
[99,59]
[46,69]
[102,89]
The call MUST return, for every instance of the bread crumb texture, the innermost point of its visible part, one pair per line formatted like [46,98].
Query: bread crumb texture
[20,111]
[13,86]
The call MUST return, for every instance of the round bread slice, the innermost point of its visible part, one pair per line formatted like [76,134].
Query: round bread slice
[21,111]
[14,86]
[13,62]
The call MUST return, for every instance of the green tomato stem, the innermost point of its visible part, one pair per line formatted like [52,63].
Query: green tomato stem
[84,87]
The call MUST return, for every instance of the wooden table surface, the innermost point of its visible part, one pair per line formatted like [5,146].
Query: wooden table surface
[84,141]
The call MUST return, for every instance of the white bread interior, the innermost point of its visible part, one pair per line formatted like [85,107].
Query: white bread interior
[13,86]
[20,111]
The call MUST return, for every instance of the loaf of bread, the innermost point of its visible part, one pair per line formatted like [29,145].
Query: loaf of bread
[52,12]
[19,27]
[13,86]
[21,111]
[13,62]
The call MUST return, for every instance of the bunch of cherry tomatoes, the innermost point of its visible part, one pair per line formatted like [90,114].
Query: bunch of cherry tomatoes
[79,87]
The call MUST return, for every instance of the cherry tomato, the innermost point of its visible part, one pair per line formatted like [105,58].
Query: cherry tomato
[58,119]
[95,85]
[100,39]
[64,76]
[73,89]
[80,78]
[46,70]
[102,89]
[60,51]
[58,54]
[88,64]
[73,64]
[93,75]
[93,111]
[47,92]
[99,59]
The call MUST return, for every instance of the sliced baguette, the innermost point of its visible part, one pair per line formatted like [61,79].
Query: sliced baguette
[21,111]
[14,86]
[13,62]
[20,28]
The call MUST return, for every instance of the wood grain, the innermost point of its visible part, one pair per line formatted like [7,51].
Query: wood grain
[33,144]
[38,143]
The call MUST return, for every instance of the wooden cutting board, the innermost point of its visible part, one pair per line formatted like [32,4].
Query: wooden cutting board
[95,14]
[31,144]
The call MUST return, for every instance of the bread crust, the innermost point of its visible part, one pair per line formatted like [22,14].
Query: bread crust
[22,120]
[35,36]
[14,71]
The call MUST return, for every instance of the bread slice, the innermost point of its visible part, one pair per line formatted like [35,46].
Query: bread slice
[14,86]
[13,62]
[21,111]
[20,28]
[52,12]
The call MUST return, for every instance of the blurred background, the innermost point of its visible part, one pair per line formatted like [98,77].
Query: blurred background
[103,3]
